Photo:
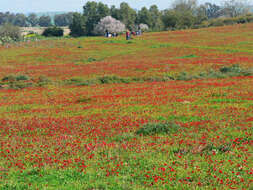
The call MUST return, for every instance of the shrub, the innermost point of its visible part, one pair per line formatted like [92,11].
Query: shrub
[110,24]
[229,21]
[20,85]
[53,31]
[249,18]
[22,77]
[84,100]
[43,80]
[217,22]
[184,76]
[158,128]
[91,59]
[12,78]
[112,80]
[9,78]
[9,33]
[241,20]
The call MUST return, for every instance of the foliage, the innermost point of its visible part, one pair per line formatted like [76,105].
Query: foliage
[45,21]
[109,24]
[32,19]
[12,78]
[158,128]
[93,12]
[144,16]
[9,33]
[77,27]
[63,19]
[53,31]
[235,8]
[20,20]
[169,19]
[127,15]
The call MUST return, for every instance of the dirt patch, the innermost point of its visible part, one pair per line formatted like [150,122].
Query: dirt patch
[39,30]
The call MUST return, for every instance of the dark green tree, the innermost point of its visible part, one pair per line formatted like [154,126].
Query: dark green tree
[156,22]
[185,11]
[93,12]
[144,17]
[169,19]
[115,13]
[7,18]
[63,19]
[32,19]
[127,15]
[20,20]
[77,27]
[45,21]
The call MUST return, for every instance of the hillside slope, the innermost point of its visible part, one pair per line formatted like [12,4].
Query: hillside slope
[170,110]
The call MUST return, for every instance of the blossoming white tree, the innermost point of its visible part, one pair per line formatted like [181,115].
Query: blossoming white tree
[144,27]
[110,24]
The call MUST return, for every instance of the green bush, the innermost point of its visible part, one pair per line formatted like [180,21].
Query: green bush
[112,80]
[184,76]
[229,21]
[84,100]
[241,20]
[53,31]
[233,68]
[12,78]
[43,80]
[20,85]
[249,18]
[216,22]
[158,128]
[22,77]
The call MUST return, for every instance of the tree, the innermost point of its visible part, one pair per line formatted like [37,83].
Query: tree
[127,15]
[185,12]
[114,12]
[185,20]
[235,8]
[45,21]
[77,27]
[32,19]
[212,10]
[144,17]
[169,19]
[110,24]
[182,6]
[20,20]
[156,22]
[7,18]
[93,12]
[201,15]
[63,19]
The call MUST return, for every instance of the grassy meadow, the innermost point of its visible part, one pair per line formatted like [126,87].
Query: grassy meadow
[169,110]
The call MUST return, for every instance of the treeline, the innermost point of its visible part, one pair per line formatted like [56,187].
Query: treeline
[183,14]
[33,20]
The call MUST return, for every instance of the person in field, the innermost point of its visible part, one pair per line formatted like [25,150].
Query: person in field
[127,35]
[107,33]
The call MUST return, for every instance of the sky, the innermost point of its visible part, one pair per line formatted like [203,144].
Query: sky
[26,6]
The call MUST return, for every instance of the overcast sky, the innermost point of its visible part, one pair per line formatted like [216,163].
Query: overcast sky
[76,5]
